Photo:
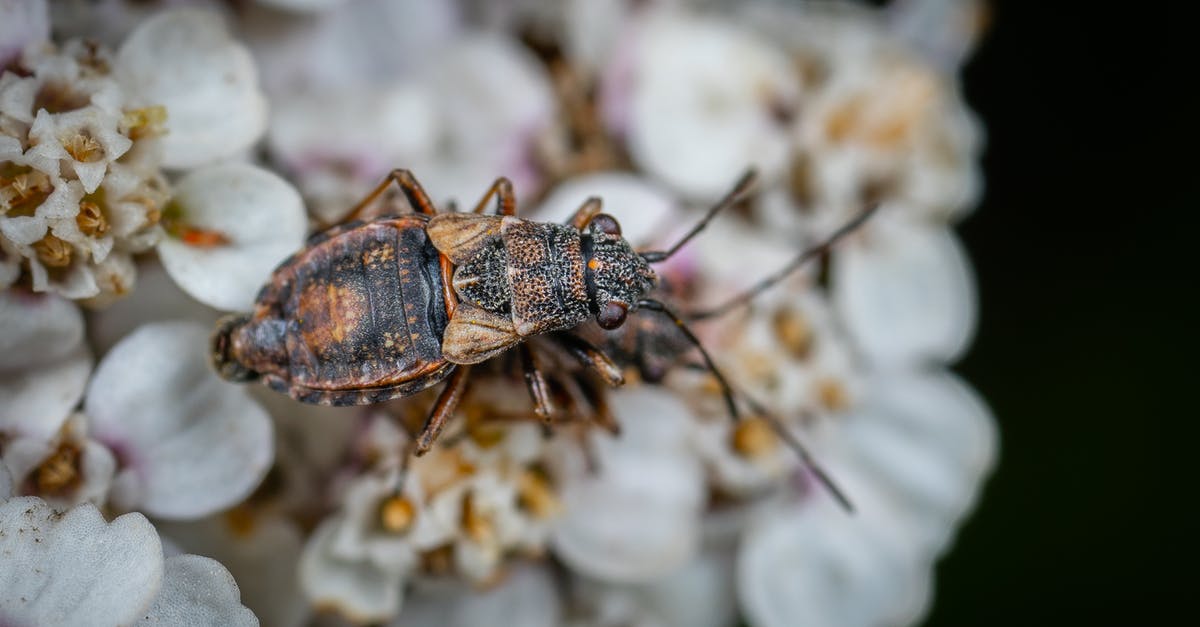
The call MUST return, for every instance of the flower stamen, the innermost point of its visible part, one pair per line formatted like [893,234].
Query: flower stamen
[397,514]
[53,252]
[91,219]
[59,472]
[753,438]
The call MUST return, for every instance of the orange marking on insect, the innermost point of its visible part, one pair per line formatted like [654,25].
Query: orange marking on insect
[593,264]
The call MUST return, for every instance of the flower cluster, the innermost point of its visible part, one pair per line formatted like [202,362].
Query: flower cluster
[127,149]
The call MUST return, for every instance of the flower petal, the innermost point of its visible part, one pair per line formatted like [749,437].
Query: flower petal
[260,216]
[704,104]
[74,568]
[641,207]
[37,329]
[262,558]
[812,564]
[156,298]
[906,293]
[527,597]
[197,591]
[927,440]
[185,60]
[357,589]
[190,443]
[637,517]
[22,23]
[35,402]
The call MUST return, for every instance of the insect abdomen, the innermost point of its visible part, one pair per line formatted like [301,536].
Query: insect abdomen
[367,308]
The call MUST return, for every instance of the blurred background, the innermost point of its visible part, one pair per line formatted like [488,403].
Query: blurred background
[1085,313]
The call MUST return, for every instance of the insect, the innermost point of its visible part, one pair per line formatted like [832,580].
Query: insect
[375,310]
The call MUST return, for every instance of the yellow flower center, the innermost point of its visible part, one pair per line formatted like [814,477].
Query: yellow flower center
[60,471]
[753,438]
[53,252]
[536,496]
[91,220]
[83,147]
[397,514]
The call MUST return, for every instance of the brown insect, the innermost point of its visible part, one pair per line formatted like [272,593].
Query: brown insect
[375,310]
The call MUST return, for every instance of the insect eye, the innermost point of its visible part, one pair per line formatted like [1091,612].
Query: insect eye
[612,316]
[607,224]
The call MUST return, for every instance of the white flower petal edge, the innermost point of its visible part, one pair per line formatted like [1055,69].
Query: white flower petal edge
[699,594]
[197,591]
[527,597]
[912,461]
[642,208]
[74,568]
[637,517]
[812,564]
[356,589]
[704,102]
[37,329]
[259,214]
[906,292]
[22,23]
[35,402]
[190,443]
[185,60]
[262,558]
[927,441]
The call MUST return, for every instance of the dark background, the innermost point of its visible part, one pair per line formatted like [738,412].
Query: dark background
[1087,279]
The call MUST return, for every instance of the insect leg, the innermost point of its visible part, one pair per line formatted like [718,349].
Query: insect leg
[584,214]
[726,389]
[417,198]
[598,399]
[506,199]
[446,403]
[591,357]
[539,391]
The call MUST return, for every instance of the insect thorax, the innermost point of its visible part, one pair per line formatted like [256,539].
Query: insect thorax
[533,272]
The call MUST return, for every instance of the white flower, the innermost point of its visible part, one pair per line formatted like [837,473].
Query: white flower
[905,291]
[73,568]
[22,22]
[636,516]
[262,553]
[229,226]
[700,593]
[44,364]
[911,459]
[185,60]
[156,298]
[68,469]
[643,209]
[80,186]
[187,442]
[355,588]
[708,100]
[527,596]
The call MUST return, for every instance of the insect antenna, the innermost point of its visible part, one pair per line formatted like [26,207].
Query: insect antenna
[802,452]
[792,266]
[731,198]
[727,393]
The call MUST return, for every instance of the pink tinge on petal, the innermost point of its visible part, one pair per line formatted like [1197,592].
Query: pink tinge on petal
[22,23]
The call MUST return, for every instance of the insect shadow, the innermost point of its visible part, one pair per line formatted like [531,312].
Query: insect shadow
[382,308]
